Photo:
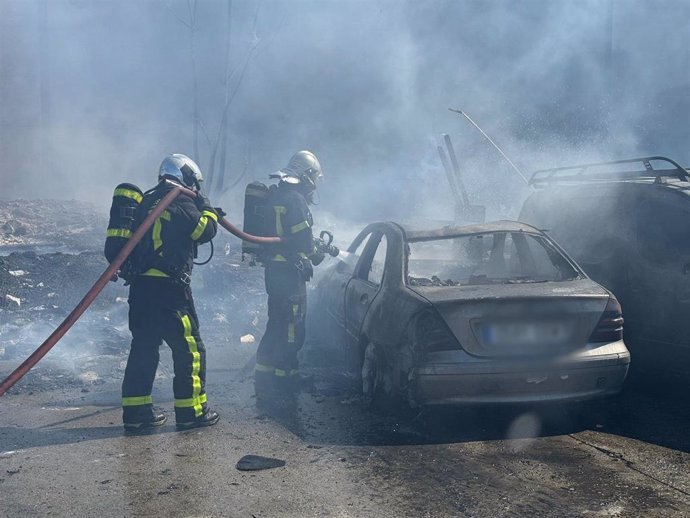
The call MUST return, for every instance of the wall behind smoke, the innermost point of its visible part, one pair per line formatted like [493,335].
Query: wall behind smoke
[94,93]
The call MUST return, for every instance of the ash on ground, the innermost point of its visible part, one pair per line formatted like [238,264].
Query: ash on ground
[38,289]
[50,225]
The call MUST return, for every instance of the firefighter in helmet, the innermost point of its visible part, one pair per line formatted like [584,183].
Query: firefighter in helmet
[161,305]
[288,266]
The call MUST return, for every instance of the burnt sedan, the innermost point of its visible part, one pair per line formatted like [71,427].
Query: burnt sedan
[489,313]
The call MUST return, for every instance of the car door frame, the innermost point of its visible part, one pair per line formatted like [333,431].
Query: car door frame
[359,282]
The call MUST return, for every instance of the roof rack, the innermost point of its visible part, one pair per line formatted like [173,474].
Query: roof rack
[605,171]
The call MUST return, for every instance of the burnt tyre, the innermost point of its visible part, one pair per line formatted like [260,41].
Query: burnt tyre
[378,390]
[372,376]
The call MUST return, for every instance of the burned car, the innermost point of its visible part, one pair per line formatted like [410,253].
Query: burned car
[488,313]
[626,224]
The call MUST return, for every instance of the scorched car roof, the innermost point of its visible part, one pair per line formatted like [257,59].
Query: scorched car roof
[414,234]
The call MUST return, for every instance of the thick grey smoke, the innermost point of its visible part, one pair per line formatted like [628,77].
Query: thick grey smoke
[94,93]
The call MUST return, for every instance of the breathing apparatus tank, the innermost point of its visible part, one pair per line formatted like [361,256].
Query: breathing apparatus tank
[256,212]
[126,200]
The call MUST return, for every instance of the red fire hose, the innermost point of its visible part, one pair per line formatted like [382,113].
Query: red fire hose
[234,230]
[108,274]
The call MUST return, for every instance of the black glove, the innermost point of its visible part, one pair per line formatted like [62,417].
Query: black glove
[203,203]
[305,269]
[221,213]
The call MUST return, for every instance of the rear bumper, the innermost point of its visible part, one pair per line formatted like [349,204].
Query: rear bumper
[587,376]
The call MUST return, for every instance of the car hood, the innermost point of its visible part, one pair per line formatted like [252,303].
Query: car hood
[469,310]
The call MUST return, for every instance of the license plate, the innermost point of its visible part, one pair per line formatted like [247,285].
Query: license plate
[518,334]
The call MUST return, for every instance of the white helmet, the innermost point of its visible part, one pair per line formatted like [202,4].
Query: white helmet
[182,169]
[305,167]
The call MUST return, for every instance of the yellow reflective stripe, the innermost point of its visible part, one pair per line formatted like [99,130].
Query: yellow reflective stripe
[284,373]
[279,258]
[303,255]
[295,309]
[137,400]
[157,227]
[200,227]
[291,332]
[127,193]
[157,241]
[203,222]
[119,232]
[300,226]
[196,363]
[263,368]
[191,402]
[279,210]
[211,215]
[153,272]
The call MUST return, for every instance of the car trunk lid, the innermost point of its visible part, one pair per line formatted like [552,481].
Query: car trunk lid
[518,320]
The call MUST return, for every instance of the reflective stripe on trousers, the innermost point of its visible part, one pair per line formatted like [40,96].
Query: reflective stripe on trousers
[196,401]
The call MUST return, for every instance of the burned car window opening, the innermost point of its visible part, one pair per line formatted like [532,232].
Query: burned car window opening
[378,263]
[487,258]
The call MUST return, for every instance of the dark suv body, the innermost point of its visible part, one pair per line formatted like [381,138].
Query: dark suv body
[628,227]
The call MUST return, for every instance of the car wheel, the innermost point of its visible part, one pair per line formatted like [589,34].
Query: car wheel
[372,375]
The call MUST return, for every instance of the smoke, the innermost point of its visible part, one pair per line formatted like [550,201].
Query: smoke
[95,93]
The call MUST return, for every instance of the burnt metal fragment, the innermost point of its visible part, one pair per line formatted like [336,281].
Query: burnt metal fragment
[257,462]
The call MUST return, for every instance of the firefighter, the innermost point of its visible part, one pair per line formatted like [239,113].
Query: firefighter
[288,267]
[161,305]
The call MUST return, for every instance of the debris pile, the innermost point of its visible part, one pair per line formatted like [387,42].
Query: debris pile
[49,225]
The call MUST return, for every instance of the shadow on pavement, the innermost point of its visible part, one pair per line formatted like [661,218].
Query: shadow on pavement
[332,413]
[14,438]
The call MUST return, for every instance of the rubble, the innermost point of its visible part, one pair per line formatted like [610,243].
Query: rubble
[50,225]
[10,300]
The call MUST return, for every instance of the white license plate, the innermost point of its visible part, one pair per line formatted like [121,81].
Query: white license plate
[526,333]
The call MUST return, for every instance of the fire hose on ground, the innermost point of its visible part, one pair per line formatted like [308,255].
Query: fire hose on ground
[108,274]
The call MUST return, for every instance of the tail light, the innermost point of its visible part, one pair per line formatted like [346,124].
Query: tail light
[432,334]
[610,326]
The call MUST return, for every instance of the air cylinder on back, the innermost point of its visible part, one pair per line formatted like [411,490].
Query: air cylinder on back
[256,205]
[126,200]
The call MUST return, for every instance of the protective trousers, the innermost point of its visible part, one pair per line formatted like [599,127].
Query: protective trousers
[285,331]
[163,309]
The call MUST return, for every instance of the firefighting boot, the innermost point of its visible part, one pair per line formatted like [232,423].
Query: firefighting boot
[209,418]
[146,425]
[265,386]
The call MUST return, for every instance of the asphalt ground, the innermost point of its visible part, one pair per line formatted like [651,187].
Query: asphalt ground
[63,453]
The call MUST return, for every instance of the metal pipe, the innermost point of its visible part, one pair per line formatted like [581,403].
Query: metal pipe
[517,170]
[456,169]
[451,180]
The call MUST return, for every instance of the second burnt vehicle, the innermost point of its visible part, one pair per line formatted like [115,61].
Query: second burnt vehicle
[487,313]
[626,223]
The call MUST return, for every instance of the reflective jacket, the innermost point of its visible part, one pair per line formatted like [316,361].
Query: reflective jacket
[171,243]
[292,219]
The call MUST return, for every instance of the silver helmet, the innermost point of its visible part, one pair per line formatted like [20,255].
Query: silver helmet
[305,167]
[182,169]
